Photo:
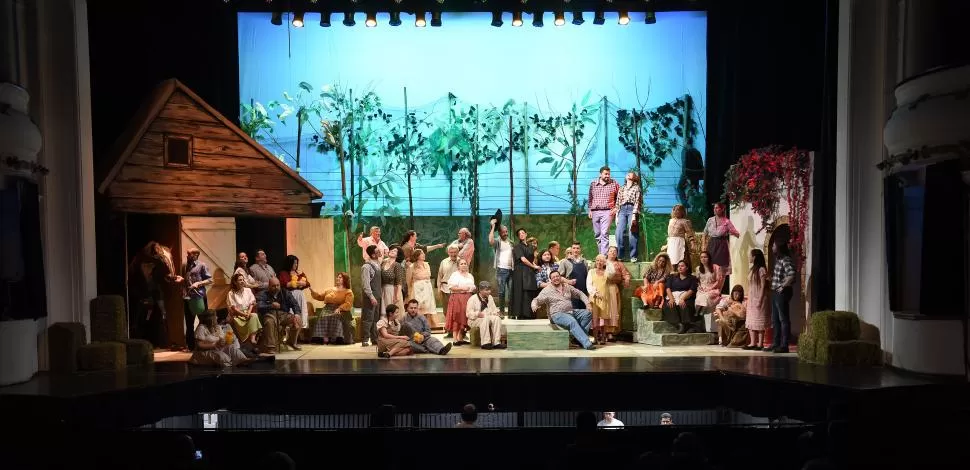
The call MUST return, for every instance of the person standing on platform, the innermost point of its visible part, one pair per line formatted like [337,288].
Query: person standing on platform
[372,305]
[373,240]
[262,272]
[628,216]
[717,232]
[446,268]
[195,278]
[466,246]
[554,248]
[574,270]
[524,287]
[557,298]
[602,207]
[782,279]
[503,261]
[759,307]
[410,243]
[680,235]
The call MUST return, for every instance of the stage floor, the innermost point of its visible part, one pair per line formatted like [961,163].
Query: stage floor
[618,349]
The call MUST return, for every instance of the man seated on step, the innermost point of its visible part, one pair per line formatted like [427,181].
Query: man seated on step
[558,298]
[277,307]
[415,326]
[482,313]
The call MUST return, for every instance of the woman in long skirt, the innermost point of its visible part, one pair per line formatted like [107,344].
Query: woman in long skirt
[462,285]
[420,287]
[335,321]
[524,288]
[717,231]
[618,277]
[295,281]
[215,346]
[759,305]
[597,284]
[680,235]
[392,279]
[242,310]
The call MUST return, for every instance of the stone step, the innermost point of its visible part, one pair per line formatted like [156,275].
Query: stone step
[524,335]
[674,339]
[656,327]
[645,315]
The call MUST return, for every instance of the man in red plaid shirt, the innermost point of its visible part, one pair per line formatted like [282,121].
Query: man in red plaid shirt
[602,207]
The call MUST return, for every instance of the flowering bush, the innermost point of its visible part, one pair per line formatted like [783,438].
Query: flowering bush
[761,177]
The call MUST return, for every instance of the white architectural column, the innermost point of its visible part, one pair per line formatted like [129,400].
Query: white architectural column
[63,111]
[867,67]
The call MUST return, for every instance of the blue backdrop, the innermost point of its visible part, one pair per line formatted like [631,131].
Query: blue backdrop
[544,70]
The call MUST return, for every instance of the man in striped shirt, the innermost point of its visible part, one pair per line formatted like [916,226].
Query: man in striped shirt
[558,297]
[782,279]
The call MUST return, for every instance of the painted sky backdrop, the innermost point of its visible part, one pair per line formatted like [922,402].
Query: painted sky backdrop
[546,69]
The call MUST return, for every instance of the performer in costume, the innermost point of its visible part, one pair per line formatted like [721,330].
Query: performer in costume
[148,272]
[602,207]
[717,231]
[680,235]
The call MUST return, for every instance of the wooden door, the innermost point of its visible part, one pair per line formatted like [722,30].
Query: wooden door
[311,240]
[215,237]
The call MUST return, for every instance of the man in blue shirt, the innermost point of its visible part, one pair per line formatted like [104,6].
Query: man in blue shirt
[196,277]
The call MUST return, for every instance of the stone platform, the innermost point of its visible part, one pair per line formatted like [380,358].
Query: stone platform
[535,335]
[652,330]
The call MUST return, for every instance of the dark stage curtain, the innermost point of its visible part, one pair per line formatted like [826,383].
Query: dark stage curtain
[260,233]
[23,291]
[771,80]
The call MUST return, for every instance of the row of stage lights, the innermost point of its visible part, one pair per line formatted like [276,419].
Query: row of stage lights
[599,18]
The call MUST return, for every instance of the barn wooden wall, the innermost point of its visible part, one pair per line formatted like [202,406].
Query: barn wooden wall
[311,240]
[228,177]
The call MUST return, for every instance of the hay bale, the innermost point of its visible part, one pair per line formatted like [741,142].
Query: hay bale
[109,321]
[476,336]
[807,348]
[834,325]
[138,352]
[102,356]
[848,353]
[63,342]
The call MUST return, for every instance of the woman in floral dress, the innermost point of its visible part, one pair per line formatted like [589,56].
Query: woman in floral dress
[710,281]
[652,293]
[419,286]
[335,321]
[759,306]
[393,276]
[717,231]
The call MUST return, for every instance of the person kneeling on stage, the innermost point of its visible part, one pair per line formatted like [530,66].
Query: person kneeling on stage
[277,307]
[390,341]
[216,345]
[558,297]
[417,329]
[482,313]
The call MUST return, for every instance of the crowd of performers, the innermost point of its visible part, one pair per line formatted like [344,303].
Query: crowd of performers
[398,311]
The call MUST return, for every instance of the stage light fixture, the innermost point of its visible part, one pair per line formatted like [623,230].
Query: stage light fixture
[371,20]
[497,19]
[599,18]
[419,20]
[349,19]
[578,18]
[560,18]
[297,19]
[436,19]
[395,18]
[277,18]
[325,19]
[651,17]
[537,19]
[624,18]
[516,18]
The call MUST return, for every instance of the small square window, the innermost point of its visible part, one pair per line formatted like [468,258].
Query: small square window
[178,150]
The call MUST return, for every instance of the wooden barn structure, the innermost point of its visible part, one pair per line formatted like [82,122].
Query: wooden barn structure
[184,175]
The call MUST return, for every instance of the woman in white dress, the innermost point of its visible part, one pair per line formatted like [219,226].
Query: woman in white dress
[216,346]
[420,287]
[242,310]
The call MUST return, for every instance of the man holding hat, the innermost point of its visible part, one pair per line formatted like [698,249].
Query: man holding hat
[484,315]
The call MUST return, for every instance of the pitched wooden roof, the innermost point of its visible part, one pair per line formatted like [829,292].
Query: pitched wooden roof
[149,112]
